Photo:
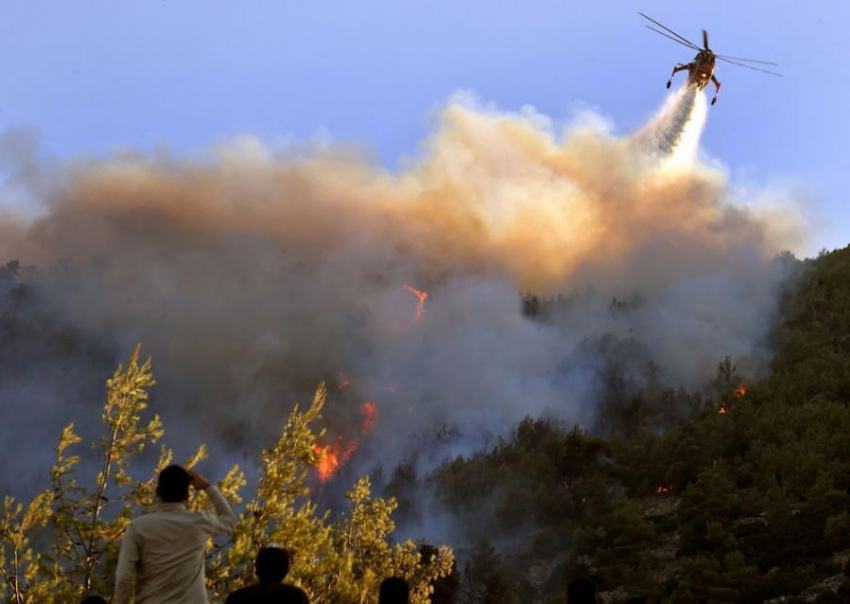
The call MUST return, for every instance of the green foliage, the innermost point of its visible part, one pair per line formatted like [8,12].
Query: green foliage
[89,522]
[80,525]
[19,564]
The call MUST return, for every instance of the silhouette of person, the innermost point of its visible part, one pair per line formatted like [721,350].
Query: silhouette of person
[394,591]
[163,552]
[581,591]
[271,566]
[92,600]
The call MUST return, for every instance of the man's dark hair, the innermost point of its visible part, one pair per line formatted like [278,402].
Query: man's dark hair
[272,564]
[581,591]
[173,485]
[394,591]
[92,600]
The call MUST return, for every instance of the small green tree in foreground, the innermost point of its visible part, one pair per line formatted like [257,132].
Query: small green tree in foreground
[65,543]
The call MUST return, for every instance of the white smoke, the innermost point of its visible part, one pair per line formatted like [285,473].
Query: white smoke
[252,276]
[674,132]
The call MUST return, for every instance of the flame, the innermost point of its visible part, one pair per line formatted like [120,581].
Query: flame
[741,390]
[370,415]
[422,296]
[663,490]
[331,457]
[722,410]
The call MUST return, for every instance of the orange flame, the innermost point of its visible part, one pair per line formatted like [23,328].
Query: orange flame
[331,457]
[422,296]
[722,410]
[663,490]
[741,390]
[370,416]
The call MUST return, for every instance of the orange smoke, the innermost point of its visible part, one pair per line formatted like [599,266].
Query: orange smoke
[422,296]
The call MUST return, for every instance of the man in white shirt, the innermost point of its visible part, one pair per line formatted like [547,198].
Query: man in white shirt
[164,551]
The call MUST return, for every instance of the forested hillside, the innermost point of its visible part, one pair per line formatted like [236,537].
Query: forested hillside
[744,501]
[736,494]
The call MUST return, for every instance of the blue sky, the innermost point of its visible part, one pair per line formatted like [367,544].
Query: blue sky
[93,75]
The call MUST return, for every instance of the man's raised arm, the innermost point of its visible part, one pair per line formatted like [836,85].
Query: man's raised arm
[223,520]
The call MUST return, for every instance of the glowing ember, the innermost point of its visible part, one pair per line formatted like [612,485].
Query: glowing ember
[663,490]
[420,308]
[741,390]
[370,416]
[331,457]
[344,382]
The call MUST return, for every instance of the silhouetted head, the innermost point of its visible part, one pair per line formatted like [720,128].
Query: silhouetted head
[394,591]
[581,591]
[272,564]
[92,600]
[173,485]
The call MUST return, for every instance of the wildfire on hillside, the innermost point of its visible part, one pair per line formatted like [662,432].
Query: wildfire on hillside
[333,456]
[741,390]
[370,415]
[421,295]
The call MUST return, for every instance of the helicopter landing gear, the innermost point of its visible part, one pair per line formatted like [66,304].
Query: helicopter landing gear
[679,67]
[716,89]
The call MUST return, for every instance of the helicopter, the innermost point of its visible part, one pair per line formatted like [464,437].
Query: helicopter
[701,69]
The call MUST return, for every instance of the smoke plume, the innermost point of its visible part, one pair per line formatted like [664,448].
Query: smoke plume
[254,273]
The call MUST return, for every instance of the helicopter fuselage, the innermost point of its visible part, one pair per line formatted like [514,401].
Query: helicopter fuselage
[701,69]
[700,72]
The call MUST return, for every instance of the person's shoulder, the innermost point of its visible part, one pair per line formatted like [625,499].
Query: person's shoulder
[293,594]
[240,595]
[143,520]
[152,516]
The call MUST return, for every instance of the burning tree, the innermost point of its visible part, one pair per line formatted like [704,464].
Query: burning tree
[82,526]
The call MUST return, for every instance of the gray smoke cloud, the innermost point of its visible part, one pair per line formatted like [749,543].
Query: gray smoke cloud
[254,274]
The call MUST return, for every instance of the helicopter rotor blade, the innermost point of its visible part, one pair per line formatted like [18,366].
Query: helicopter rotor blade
[671,38]
[664,27]
[705,39]
[746,60]
[773,73]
